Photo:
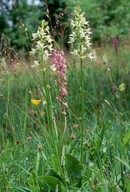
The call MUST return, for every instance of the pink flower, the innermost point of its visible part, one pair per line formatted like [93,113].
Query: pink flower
[60,64]
[116,44]
[63,92]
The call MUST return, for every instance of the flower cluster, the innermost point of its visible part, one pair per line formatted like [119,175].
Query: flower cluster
[116,44]
[60,64]
[80,36]
[43,41]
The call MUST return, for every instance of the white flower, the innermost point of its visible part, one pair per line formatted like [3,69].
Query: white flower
[75,52]
[88,44]
[48,38]
[91,56]
[89,31]
[71,40]
[33,52]
[39,45]
[35,64]
[44,41]
[46,55]
[80,36]
[53,67]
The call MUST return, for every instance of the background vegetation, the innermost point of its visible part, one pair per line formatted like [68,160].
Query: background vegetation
[36,153]
[19,19]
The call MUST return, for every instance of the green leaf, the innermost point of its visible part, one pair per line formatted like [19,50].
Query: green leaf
[54,162]
[73,167]
[123,162]
[51,182]
[74,143]
[39,165]
[53,173]
[32,179]
[37,161]
[126,138]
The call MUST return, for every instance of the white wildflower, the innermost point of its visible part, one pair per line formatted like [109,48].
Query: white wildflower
[49,39]
[46,55]
[80,38]
[33,52]
[39,45]
[91,56]
[43,41]
[53,67]
[36,64]
[75,52]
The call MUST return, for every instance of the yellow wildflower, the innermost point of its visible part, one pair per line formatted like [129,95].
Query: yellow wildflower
[35,101]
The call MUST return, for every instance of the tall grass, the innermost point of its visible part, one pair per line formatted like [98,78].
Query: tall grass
[85,150]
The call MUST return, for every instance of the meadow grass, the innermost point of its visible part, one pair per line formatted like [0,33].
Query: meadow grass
[85,150]
[27,148]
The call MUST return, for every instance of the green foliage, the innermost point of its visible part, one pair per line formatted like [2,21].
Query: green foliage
[78,141]
[106,145]
[3,24]
[107,18]
[73,168]
[51,182]
[22,20]
[19,20]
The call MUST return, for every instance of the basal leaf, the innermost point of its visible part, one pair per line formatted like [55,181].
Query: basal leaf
[73,167]
[51,182]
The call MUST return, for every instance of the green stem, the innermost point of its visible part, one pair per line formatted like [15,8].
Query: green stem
[82,103]
[117,68]
[50,119]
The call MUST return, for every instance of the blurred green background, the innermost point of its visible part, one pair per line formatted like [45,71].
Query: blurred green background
[20,18]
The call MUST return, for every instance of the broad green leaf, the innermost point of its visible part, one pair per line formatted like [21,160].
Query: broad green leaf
[73,167]
[55,174]
[51,182]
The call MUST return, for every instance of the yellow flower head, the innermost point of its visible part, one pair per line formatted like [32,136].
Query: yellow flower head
[35,102]
[122,87]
